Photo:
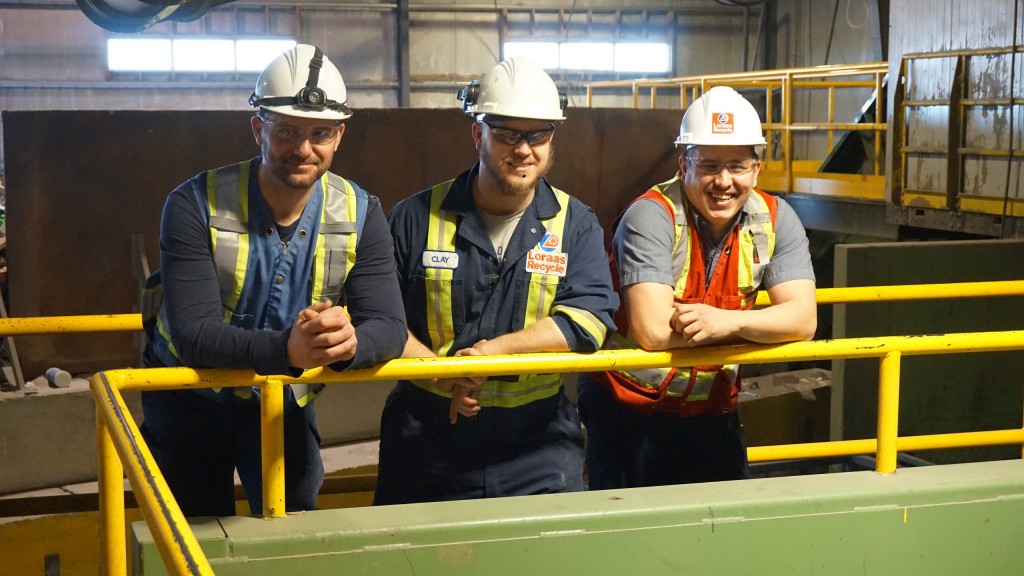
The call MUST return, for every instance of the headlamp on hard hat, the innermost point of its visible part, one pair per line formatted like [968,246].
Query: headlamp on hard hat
[469,94]
[515,88]
[310,97]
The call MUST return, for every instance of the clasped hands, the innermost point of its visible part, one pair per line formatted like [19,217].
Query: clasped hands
[464,390]
[701,324]
[322,334]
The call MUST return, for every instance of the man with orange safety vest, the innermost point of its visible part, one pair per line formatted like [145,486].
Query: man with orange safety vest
[257,261]
[688,257]
[495,261]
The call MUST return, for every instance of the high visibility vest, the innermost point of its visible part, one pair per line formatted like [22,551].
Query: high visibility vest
[342,215]
[734,284]
[508,392]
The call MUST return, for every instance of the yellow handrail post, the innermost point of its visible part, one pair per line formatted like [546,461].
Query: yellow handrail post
[272,446]
[888,412]
[178,546]
[113,546]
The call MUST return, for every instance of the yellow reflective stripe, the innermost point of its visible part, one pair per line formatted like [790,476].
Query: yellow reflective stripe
[352,209]
[652,378]
[243,239]
[440,237]
[162,328]
[584,319]
[319,277]
[757,223]
[319,273]
[745,272]
[672,191]
[536,387]
[541,296]
[306,393]
[211,201]
[503,394]
[323,276]
[701,386]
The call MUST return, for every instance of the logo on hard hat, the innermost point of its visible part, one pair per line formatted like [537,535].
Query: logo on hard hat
[722,124]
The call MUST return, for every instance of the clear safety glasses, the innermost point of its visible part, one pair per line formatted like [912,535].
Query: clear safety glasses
[514,137]
[708,167]
[284,132]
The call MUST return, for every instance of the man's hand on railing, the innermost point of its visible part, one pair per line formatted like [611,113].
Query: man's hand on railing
[465,392]
[322,334]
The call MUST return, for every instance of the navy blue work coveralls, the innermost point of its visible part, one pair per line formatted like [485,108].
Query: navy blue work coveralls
[199,437]
[530,449]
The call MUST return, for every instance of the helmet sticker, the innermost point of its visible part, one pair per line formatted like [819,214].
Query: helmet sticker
[722,123]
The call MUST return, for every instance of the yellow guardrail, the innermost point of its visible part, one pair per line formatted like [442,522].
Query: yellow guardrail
[788,174]
[119,434]
[122,451]
[133,322]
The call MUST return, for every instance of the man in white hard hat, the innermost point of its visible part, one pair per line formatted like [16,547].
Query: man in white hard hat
[257,261]
[688,257]
[495,261]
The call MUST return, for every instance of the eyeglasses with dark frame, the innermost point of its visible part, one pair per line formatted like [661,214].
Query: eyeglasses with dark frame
[289,133]
[513,137]
[736,166]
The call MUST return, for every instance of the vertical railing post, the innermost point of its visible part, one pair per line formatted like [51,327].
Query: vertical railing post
[831,115]
[880,111]
[888,412]
[272,446]
[113,546]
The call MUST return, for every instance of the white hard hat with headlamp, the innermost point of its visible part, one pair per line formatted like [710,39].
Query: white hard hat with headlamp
[302,82]
[721,117]
[516,88]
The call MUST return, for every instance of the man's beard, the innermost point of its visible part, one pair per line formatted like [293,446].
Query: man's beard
[295,181]
[513,185]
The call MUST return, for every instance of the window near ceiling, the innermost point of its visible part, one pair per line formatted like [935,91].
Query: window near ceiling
[611,57]
[192,54]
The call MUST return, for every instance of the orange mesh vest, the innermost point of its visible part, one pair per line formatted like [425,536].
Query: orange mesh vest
[733,286]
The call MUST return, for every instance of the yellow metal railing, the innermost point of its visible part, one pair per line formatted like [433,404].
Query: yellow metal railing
[787,174]
[122,451]
[133,322]
[181,553]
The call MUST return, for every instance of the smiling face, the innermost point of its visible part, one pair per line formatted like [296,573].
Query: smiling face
[513,169]
[718,180]
[297,151]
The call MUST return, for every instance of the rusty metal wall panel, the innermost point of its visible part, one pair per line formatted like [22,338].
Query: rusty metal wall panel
[992,127]
[79,184]
[923,26]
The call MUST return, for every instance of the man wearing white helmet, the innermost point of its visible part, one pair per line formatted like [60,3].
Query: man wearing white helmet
[259,261]
[688,257]
[495,261]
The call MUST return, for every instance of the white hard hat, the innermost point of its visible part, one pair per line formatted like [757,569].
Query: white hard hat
[721,117]
[302,82]
[516,88]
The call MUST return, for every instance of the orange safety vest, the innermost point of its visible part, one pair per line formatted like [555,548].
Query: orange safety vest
[690,391]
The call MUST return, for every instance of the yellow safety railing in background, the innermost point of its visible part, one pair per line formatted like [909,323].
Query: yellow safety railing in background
[133,322]
[787,174]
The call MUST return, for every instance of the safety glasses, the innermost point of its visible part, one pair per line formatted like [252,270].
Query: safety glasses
[284,132]
[514,137]
[708,167]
